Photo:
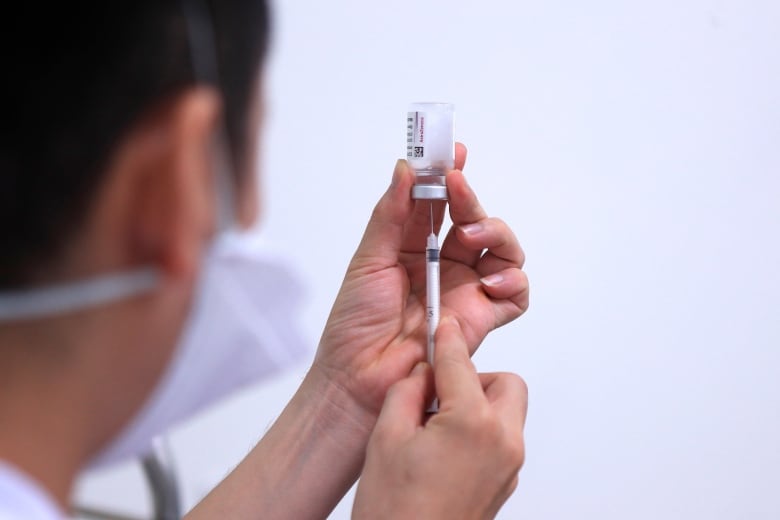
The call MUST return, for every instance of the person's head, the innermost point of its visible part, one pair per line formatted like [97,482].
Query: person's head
[118,122]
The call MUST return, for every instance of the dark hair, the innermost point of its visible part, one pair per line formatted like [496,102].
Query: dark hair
[77,84]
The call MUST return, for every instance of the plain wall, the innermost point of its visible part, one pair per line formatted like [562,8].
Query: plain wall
[634,147]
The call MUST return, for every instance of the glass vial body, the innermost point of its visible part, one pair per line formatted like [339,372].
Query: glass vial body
[430,147]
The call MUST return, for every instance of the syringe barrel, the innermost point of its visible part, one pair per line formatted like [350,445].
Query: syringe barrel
[432,292]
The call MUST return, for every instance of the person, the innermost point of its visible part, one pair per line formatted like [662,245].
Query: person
[113,153]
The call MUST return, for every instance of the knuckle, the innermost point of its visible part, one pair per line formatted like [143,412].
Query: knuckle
[525,304]
[522,297]
[501,231]
[520,256]
[482,425]
[468,421]
[499,225]
[512,486]
[379,208]
[520,384]
[509,237]
[474,206]
[524,282]
[518,387]
[513,441]
[514,452]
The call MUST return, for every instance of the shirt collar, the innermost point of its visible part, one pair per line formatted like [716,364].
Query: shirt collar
[22,497]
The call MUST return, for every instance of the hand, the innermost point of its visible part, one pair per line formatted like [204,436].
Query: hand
[376,331]
[375,335]
[463,462]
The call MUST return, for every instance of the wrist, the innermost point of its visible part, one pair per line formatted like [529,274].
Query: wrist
[306,461]
[337,411]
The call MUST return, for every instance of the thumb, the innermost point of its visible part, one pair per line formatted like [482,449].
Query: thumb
[381,241]
[405,404]
[457,382]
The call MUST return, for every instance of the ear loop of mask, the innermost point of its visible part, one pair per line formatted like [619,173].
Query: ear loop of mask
[102,289]
[203,55]
[68,297]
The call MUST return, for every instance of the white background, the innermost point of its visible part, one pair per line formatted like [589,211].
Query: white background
[634,147]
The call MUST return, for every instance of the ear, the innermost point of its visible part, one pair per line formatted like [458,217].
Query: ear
[163,188]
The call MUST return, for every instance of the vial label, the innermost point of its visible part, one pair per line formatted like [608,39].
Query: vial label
[415,135]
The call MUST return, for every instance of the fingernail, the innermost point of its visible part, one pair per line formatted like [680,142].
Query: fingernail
[419,368]
[397,171]
[472,229]
[492,280]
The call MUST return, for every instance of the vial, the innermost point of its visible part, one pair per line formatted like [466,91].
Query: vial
[430,147]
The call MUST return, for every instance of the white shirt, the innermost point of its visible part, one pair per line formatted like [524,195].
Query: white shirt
[21,498]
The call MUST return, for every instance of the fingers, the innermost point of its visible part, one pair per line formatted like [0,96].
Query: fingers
[510,292]
[382,239]
[493,234]
[465,209]
[403,410]
[461,153]
[457,383]
[490,247]
[464,206]
[506,284]
[508,395]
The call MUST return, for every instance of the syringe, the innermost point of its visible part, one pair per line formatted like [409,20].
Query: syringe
[432,295]
[430,150]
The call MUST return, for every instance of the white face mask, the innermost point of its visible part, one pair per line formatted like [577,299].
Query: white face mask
[241,329]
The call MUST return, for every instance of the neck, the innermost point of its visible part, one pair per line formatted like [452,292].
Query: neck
[69,384]
[44,418]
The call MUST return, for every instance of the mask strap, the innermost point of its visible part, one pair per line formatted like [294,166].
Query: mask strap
[111,287]
[81,295]
[205,67]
